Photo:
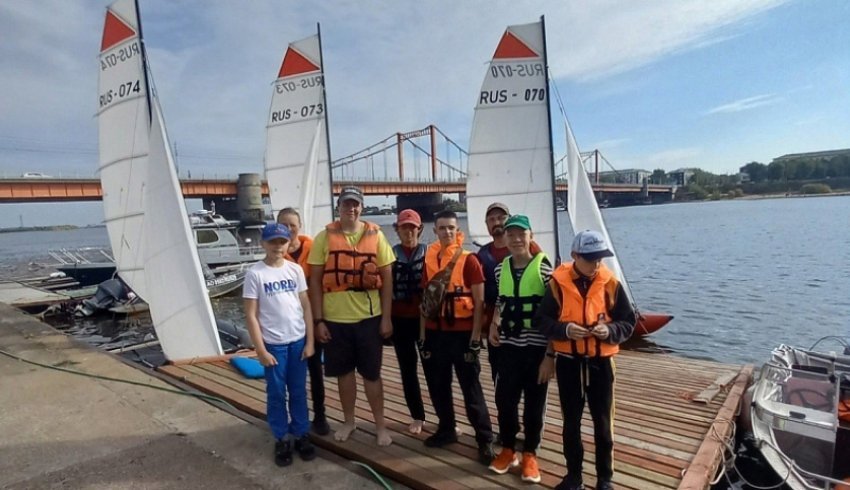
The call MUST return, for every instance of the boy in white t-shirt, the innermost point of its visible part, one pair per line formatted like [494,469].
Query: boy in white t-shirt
[280,323]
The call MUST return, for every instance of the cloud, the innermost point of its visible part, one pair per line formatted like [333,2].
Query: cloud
[746,104]
[390,66]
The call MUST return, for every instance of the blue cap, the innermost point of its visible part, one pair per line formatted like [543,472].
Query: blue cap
[275,230]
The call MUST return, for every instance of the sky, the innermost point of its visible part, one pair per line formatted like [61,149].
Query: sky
[662,84]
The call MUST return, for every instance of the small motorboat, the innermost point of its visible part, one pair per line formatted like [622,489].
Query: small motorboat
[801,416]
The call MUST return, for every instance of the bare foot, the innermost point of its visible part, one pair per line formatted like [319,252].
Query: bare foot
[383,438]
[344,432]
[415,427]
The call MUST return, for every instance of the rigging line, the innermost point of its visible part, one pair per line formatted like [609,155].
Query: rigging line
[351,156]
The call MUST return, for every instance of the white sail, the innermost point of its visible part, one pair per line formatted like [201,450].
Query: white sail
[296,161]
[180,307]
[582,207]
[123,128]
[510,157]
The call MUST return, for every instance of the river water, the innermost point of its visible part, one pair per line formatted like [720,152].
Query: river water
[739,276]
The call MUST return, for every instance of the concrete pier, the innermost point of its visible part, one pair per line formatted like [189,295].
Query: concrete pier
[62,430]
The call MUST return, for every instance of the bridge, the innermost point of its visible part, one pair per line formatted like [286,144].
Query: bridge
[402,165]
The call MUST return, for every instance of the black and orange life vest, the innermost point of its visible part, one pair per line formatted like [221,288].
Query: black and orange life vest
[351,267]
[457,303]
[586,310]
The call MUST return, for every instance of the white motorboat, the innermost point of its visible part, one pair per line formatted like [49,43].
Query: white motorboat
[801,416]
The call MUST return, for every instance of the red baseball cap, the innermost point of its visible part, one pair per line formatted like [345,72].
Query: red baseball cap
[408,216]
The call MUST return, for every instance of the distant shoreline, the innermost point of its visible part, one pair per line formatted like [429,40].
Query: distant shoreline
[47,228]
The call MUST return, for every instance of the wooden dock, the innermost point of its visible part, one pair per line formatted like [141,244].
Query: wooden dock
[663,439]
[21,295]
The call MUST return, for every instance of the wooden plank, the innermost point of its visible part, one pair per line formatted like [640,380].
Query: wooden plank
[23,296]
[701,470]
[657,432]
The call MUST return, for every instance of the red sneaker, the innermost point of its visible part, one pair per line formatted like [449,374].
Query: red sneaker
[530,470]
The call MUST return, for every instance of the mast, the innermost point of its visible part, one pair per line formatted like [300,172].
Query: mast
[144,61]
[551,150]
[327,126]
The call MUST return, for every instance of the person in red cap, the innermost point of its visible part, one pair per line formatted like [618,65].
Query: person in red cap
[407,295]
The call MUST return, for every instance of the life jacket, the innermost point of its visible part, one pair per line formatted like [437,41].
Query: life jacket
[520,299]
[489,263]
[351,267]
[585,311]
[457,302]
[407,272]
[306,245]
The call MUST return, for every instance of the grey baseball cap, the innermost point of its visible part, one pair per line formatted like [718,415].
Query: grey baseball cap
[591,245]
[351,192]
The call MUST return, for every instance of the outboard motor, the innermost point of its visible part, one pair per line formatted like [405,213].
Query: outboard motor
[233,337]
[108,293]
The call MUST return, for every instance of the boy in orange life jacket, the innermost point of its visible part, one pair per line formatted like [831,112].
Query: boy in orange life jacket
[298,251]
[586,314]
[351,289]
[453,340]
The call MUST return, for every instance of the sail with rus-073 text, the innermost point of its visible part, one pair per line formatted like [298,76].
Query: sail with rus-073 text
[510,151]
[297,151]
[123,126]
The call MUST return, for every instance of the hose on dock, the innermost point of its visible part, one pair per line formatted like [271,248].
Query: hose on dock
[375,474]
[202,396]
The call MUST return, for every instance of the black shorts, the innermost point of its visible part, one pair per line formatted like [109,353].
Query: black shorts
[355,346]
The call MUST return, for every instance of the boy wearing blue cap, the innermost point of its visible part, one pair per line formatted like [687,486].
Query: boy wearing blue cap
[280,322]
[586,314]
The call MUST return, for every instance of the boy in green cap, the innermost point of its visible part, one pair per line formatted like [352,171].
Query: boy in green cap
[526,360]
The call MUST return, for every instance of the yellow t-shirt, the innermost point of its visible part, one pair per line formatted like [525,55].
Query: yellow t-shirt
[350,306]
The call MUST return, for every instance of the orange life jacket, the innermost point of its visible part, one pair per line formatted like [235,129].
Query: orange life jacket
[586,311]
[458,299]
[306,245]
[348,267]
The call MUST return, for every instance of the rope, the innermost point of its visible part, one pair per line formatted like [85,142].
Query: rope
[375,474]
[202,396]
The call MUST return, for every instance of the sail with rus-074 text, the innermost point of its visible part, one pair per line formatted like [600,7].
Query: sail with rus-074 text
[123,126]
[297,152]
[146,217]
[510,150]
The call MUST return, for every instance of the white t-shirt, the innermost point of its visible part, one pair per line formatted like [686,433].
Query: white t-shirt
[276,290]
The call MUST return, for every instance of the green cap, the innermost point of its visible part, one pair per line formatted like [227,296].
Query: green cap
[519,221]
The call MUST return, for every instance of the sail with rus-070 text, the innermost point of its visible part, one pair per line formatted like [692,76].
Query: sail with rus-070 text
[123,126]
[297,160]
[510,150]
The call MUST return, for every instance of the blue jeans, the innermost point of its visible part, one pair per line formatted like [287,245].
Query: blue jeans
[289,376]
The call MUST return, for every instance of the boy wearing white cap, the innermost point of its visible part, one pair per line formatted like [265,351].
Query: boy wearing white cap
[586,314]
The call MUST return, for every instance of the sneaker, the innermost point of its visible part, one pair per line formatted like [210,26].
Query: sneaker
[570,484]
[506,460]
[441,438]
[305,448]
[604,485]
[320,426]
[486,453]
[283,453]
[530,470]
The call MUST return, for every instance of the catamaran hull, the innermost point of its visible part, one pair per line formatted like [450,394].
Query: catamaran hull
[648,323]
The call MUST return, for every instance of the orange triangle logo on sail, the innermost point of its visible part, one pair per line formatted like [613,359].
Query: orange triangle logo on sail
[115,30]
[511,47]
[294,63]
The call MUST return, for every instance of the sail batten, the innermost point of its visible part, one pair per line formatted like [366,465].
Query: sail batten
[297,161]
[510,158]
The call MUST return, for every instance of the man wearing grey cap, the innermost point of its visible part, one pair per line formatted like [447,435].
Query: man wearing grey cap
[586,314]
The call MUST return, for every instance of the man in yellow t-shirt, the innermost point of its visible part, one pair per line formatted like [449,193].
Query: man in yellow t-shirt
[351,296]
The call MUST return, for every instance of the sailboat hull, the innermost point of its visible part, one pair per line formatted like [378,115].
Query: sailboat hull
[648,323]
